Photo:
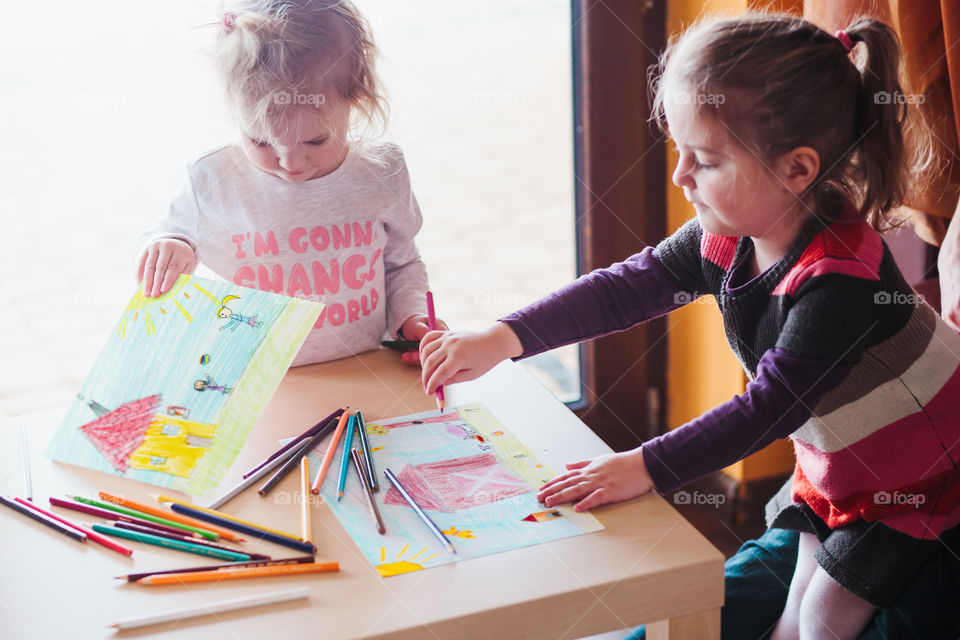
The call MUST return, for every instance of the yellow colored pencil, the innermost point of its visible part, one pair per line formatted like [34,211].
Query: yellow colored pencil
[236,574]
[331,451]
[221,514]
[305,534]
[176,517]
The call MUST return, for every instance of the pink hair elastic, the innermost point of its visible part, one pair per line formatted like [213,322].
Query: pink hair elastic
[229,20]
[845,40]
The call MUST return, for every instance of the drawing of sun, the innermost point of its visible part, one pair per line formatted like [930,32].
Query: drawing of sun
[400,565]
[140,306]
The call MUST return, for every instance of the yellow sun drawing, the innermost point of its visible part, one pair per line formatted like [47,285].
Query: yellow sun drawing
[400,565]
[141,305]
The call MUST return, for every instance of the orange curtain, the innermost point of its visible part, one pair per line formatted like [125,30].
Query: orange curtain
[930,36]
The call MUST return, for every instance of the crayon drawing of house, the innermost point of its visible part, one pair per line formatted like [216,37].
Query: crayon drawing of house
[135,435]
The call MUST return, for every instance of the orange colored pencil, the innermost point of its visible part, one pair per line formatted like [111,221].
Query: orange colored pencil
[235,574]
[331,450]
[163,513]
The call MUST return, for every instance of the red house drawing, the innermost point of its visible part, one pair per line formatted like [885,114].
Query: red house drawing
[458,483]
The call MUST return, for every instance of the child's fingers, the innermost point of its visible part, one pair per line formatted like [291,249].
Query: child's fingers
[163,263]
[593,499]
[150,270]
[169,278]
[579,464]
[141,262]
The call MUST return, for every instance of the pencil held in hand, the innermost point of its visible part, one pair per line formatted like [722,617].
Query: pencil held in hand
[432,325]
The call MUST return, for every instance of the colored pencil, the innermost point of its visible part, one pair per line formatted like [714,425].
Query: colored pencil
[293,543]
[91,535]
[110,515]
[345,460]
[432,325]
[365,483]
[330,422]
[170,543]
[133,577]
[166,515]
[401,345]
[420,512]
[129,526]
[213,607]
[367,454]
[25,454]
[305,532]
[290,464]
[252,480]
[209,535]
[244,572]
[45,520]
[225,516]
[331,450]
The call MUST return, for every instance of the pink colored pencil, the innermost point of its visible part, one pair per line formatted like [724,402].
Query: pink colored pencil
[93,535]
[331,450]
[432,325]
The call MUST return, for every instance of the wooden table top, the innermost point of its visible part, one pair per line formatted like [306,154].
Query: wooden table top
[648,565]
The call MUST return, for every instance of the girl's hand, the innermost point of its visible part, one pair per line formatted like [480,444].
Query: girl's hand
[162,263]
[455,356]
[415,327]
[609,478]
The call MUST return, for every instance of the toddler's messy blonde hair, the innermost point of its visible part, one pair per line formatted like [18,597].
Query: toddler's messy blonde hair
[279,56]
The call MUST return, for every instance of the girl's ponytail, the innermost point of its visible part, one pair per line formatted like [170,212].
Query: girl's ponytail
[882,164]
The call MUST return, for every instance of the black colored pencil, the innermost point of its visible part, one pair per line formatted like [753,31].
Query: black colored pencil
[42,519]
[367,454]
[327,423]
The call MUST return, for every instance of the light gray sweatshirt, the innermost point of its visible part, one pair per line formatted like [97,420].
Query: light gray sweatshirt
[345,239]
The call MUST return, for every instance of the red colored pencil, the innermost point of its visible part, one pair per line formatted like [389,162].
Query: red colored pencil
[93,535]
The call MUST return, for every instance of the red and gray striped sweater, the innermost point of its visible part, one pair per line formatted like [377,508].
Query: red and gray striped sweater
[842,358]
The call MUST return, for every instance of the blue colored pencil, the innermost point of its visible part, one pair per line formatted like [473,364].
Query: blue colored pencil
[243,528]
[171,543]
[345,461]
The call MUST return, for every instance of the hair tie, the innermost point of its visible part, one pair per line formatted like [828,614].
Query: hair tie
[229,20]
[845,40]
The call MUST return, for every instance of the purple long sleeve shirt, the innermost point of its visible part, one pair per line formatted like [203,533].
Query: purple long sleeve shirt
[775,403]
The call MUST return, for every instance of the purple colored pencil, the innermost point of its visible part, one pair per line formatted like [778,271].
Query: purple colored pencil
[206,543]
[309,433]
[106,514]
[133,577]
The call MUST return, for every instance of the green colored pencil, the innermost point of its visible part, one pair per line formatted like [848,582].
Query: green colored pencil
[171,543]
[209,535]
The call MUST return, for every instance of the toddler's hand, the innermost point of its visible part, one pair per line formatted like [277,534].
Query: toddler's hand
[162,263]
[415,327]
[609,478]
[455,356]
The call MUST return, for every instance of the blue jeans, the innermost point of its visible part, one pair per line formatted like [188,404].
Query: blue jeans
[757,578]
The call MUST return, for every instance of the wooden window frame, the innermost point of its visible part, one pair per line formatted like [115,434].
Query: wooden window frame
[621,204]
